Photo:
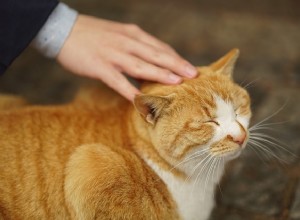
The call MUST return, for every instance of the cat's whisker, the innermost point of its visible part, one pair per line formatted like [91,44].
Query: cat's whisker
[221,163]
[264,142]
[203,169]
[266,126]
[214,173]
[205,176]
[247,86]
[242,83]
[211,170]
[267,118]
[199,164]
[261,150]
[266,149]
[263,136]
[260,156]
[262,128]
[210,174]
[273,123]
[191,157]
[220,167]
[204,164]
[272,141]
[196,167]
[205,150]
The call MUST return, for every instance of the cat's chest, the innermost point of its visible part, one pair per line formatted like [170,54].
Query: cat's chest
[194,199]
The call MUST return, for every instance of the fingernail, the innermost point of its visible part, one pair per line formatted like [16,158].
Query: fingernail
[190,71]
[174,78]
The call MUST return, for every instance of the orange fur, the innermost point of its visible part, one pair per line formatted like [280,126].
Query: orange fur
[84,160]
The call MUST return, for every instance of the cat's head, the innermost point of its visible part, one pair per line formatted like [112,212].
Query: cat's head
[209,113]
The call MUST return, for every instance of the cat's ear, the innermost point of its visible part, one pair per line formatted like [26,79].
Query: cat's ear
[226,64]
[151,106]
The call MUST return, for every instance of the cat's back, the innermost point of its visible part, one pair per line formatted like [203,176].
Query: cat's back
[55,131]
[69,124]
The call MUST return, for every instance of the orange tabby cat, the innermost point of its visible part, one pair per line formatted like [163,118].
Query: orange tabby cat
[94,159]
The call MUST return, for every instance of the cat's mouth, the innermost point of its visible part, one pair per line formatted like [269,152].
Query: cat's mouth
[238,150]
[228,148]
[232,151]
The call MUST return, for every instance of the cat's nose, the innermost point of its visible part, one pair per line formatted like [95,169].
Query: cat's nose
[239,139]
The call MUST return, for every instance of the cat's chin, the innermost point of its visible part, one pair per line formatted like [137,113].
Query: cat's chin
[232,155]
[236,153]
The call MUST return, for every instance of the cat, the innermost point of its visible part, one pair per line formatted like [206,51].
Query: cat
[100,157]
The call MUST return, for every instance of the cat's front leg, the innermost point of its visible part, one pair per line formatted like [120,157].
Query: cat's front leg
[111,183]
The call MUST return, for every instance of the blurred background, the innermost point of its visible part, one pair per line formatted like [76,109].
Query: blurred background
[264,182]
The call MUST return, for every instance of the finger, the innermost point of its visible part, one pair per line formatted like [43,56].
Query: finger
[140,69]
[145,45]
[154,42]
[161,58]
[135,32]
[116,81]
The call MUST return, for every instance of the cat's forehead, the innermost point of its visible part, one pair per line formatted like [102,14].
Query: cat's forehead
[210,105]
[207,89]
[213,96]
[224,108]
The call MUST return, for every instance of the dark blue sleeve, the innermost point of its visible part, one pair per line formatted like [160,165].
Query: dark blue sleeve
[20,21]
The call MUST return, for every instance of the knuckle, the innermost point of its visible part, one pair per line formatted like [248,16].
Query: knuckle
[167,46]
[138,69]
[175,61]
[170,48]
[161,73]
[133,27]
[156,53]
[167,74]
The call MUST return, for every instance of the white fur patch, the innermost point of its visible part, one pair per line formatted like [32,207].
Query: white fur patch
[195,200]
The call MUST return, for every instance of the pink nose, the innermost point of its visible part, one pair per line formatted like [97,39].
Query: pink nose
[239,139]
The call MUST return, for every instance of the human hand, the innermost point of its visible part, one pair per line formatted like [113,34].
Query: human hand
[105,50]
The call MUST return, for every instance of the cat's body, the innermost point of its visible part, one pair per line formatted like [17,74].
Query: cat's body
[36,148]
[94,160]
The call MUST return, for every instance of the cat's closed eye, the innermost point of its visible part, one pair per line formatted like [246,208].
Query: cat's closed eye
[213,121]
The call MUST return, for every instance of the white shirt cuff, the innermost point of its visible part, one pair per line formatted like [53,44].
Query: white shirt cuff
[55,31]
